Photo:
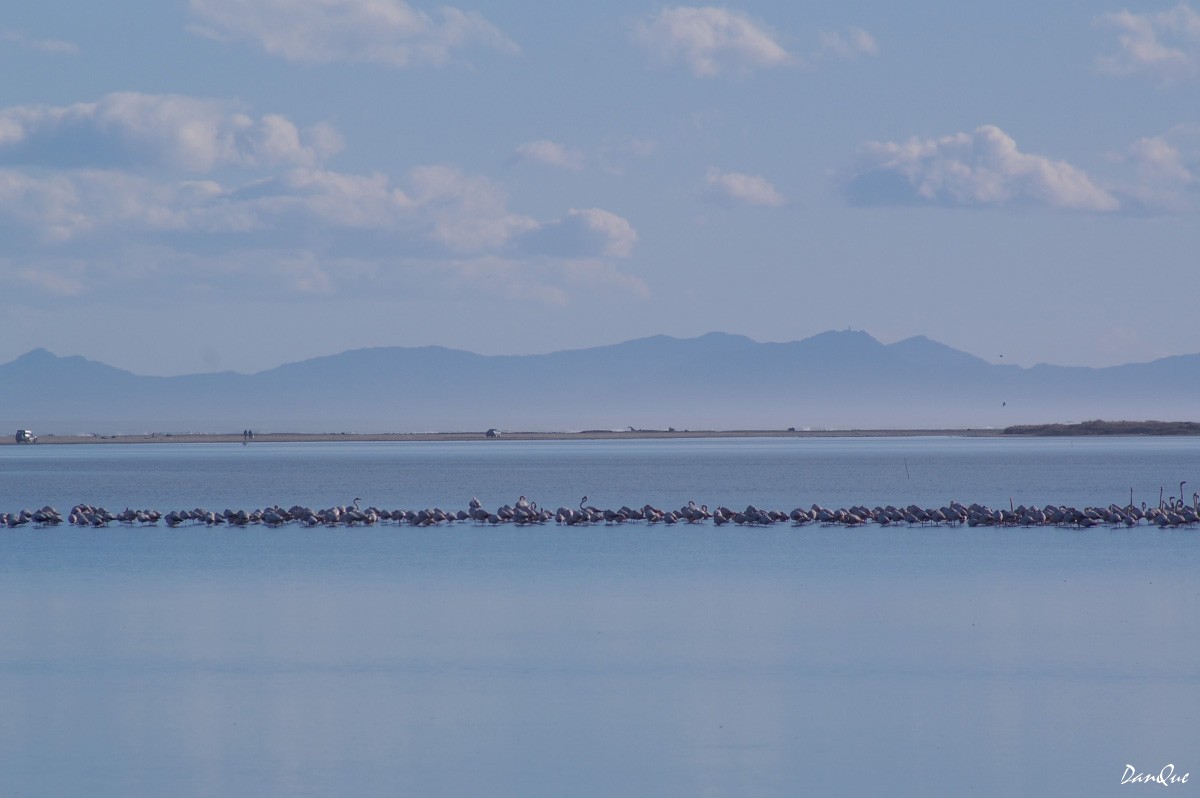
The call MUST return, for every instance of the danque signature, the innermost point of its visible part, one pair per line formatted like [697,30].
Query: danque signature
[1165,777]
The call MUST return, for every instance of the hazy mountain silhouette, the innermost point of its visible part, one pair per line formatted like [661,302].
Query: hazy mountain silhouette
[716,381]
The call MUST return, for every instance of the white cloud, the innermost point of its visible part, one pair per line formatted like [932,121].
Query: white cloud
[439,209]
[388,32]
[616,234]
[981,168]
[735,188]
[462,213]
[308,232]
[711,41]
[466,213]
[320,197]
[1164,45]
[178,180]
[49,46]
[1161,160]
[130,130]
[1165,169]
[582,233]
[853,43]
[68,205]
[550,153]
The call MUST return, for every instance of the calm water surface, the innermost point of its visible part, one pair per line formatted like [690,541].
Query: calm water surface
[769,472]
[604,661]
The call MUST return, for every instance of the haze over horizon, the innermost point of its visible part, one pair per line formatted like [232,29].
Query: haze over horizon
[567,350]
[835,380]
[206,185]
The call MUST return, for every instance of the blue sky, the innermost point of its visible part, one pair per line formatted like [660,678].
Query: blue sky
[232,184]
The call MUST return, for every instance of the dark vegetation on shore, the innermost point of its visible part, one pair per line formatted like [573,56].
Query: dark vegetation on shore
[1099,427]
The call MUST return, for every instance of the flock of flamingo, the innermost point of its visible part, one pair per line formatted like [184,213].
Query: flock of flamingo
[1171,513]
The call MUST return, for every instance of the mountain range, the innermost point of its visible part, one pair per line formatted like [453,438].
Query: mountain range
[834,380]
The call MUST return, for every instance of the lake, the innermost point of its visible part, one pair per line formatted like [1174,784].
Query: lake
[631,660]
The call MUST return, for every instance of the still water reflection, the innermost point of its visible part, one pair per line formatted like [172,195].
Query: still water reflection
[598,662]
[772,472]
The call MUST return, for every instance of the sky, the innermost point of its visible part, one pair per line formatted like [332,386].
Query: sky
[203,185]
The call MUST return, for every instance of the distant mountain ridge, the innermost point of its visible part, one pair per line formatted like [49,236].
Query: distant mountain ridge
[837,380]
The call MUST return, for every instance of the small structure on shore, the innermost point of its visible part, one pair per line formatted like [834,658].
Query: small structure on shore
[492,433]
[26,436]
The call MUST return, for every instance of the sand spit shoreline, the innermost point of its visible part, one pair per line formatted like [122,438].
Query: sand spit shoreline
[626,435]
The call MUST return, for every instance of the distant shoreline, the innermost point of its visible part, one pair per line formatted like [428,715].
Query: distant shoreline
[1087,428]
[585,435]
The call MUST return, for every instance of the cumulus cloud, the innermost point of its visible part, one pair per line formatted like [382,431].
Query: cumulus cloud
[465,213]
[131,130]
[711,41]
[614,234]
[308,231]
[582,233]
[58,206]
[437,208]
[981,168]
[1164,45]
[321,197]
[735,188]
[462,213]
[1164,160]
[550,153]
[388,32]
[65,206]
[1165,169]
[168,179]
[49,46]
[851,44]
